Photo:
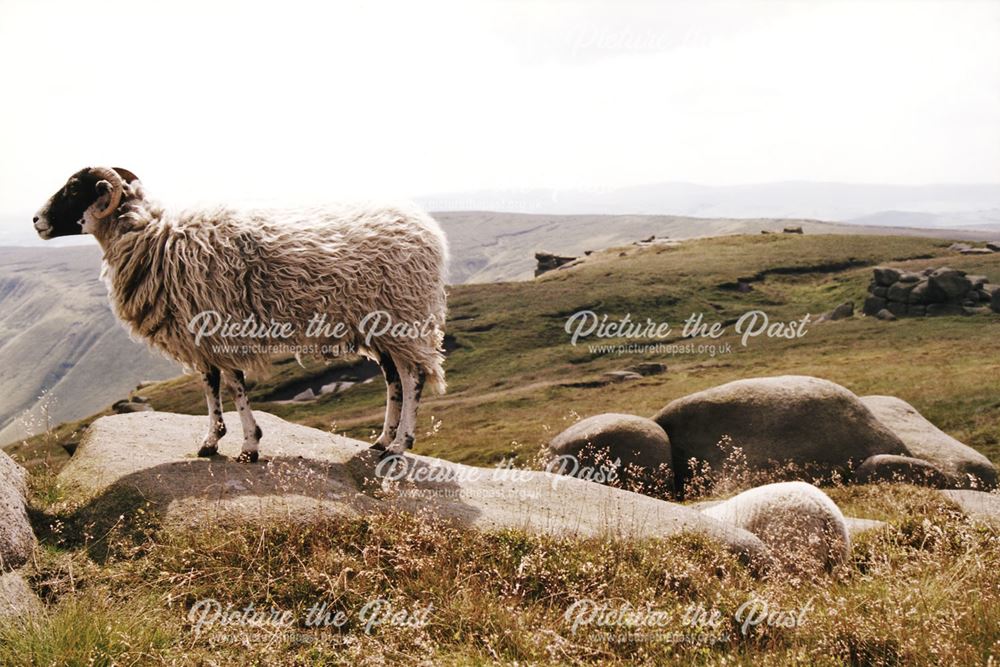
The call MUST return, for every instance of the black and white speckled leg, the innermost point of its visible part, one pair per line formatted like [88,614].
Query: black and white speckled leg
[236,382]
[413,386]
[393,401]
[212,382]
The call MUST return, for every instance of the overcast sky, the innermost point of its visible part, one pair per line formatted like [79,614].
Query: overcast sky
[286,101]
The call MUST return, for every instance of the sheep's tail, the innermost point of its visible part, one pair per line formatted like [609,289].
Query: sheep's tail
[434,367]
[435,375]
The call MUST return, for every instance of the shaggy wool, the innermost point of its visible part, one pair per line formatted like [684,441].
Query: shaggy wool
[163,270]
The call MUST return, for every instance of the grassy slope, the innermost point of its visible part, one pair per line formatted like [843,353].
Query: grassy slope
[120,595]
[507,380]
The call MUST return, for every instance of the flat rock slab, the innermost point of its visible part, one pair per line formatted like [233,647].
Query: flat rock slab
[856,526]
[307,474]
[977,504]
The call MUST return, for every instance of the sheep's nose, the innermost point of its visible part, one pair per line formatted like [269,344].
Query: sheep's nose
[35,219]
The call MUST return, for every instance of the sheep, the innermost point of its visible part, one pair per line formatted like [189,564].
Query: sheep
[378,272]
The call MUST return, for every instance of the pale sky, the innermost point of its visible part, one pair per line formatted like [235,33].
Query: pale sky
[288,101]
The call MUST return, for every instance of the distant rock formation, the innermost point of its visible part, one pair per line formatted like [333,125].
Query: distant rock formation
[549,262]
[942,291]
[792,229]
[966,249]
[134,404]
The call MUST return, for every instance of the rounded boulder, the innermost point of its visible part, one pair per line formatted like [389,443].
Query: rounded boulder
[806,531]
[635,448]
[775,421]
[899,469]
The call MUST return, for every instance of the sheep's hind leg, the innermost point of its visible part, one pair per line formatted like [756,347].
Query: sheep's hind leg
[251,431]
[212,382]
[413,387]
[393,401]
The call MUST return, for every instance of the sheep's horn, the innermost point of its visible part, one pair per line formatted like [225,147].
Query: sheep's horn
[117,186]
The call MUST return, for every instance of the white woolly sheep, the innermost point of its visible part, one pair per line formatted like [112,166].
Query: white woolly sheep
[362,268]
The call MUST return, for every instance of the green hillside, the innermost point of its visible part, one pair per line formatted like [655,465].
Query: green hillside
[515,379]
[922,589]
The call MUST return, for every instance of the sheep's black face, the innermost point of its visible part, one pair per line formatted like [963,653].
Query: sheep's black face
[62,214]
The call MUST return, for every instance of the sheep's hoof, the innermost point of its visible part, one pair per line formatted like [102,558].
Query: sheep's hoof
[389,454]
[247,457]
[379,446]
[207,451]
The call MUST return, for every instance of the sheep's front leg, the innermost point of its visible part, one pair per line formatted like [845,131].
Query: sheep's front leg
[251,432]
[413,387]
[212,382]
[393,402]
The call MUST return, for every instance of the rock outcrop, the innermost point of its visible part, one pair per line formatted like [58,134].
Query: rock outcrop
[806,530]
[306,474]
[546,261]
[962,466]
[17,540]
[776,420]
[941,291]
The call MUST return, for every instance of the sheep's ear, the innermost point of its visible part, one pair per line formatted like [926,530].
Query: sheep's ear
[126,175]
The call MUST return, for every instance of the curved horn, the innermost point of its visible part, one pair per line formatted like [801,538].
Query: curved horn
[117,187]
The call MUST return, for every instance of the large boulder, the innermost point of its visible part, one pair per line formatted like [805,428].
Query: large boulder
[774,420]
[948,285]
[899,469]
[885,315]
[919,293]
[886,276]
[126,461]
[963,466]
[900,292]
[842,312]
[17,541]
[637,448]
[806,531]
[873,304]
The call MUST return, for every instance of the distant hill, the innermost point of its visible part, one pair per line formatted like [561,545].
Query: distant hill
[490,247]
[840,202]
[986,219]
[62,353]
